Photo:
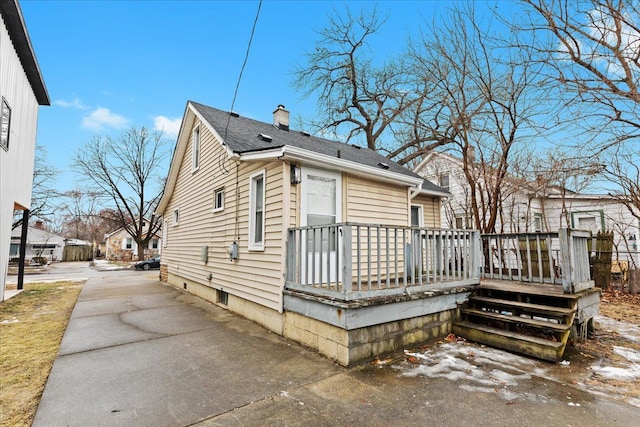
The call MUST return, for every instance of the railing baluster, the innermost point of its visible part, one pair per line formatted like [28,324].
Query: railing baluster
[387,272]
[358,254]
[321,257]
[379,281]
[337,257]
[368,257]
[396,257]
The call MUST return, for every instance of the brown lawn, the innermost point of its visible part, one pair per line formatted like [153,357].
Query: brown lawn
[31,328]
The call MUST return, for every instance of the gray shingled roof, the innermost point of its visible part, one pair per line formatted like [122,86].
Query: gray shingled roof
[243,137]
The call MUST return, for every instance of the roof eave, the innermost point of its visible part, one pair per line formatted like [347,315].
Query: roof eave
[311,158]
[14,21]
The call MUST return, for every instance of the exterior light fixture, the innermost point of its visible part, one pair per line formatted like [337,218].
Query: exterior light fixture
[296,175]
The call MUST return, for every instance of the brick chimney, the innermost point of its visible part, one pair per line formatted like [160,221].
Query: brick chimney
[39,225]
[281,118]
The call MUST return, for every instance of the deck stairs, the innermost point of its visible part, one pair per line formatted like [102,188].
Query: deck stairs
[527,320]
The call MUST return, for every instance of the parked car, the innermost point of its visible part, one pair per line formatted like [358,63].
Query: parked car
[148,263]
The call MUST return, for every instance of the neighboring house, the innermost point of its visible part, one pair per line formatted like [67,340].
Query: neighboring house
[120,246]
[22,91]
[52,247]
[246,200]
[40,244]
[529,207]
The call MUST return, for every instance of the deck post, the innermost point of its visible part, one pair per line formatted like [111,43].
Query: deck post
[290,268]
[476,255]
[347,259]
[565,257]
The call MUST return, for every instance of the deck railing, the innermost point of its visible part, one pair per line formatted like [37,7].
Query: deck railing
[557,258]
[350,261]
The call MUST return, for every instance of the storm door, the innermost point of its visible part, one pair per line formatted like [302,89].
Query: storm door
[321,204]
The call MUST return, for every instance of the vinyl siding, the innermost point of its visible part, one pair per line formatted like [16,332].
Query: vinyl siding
[256,275]
[373,202]
[430,208]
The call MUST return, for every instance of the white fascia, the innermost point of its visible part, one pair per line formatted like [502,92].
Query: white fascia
[332,163]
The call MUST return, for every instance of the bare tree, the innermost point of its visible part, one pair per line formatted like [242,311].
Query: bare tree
[591,51]
[127,170]
[483,104]
[356,95]
[43,194]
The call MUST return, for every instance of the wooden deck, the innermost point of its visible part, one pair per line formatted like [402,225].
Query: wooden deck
[536,319]
[533,288]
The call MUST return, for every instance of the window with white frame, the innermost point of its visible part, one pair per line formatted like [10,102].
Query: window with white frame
[537,222]
[443,181]
[218,199]
[127,243]
[5,124]
[417,216]
[176,217]
[153,244]
[256,211]
[464,222]
[195,154]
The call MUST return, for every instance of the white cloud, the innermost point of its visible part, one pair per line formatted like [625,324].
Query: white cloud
[101,118]
[169,127]
[74,103]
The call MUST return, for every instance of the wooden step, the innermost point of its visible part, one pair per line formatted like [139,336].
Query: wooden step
[528,307]
[540,324]
[511,341]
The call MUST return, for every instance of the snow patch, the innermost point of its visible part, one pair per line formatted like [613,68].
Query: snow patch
[630,372]
[485,370]
[627,330]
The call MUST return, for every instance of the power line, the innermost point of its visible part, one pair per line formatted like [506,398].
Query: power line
[221,159]
[246,57]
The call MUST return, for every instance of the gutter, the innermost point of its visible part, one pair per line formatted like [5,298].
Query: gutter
[288,152]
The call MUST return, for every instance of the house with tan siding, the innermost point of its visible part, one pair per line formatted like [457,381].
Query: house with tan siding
[311,238]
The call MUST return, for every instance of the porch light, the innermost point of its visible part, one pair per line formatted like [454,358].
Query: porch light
[296,175]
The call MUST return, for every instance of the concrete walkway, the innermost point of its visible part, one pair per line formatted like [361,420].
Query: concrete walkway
[140,353]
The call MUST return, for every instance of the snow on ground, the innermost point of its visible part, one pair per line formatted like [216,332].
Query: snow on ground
[630,371]
[476,368]
[629,331]
[104,265]
[486,369]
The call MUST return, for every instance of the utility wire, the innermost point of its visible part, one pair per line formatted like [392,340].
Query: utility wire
[226,128]
[246,57]
[221,165]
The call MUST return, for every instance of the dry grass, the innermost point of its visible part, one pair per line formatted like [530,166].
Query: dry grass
[31,328]
[624,307]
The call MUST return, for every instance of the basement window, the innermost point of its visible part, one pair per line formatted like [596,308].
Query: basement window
[223,297]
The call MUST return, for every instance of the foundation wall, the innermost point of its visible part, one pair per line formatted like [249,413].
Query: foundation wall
[363,344]
[346,347]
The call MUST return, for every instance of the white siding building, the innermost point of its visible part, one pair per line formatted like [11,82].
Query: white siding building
[22,90]
[526,209]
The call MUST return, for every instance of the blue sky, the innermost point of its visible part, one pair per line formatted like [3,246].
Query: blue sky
[110,65]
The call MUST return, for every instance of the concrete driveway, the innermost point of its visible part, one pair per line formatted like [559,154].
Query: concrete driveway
[138,352]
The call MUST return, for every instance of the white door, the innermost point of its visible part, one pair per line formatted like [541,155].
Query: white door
[321,203]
